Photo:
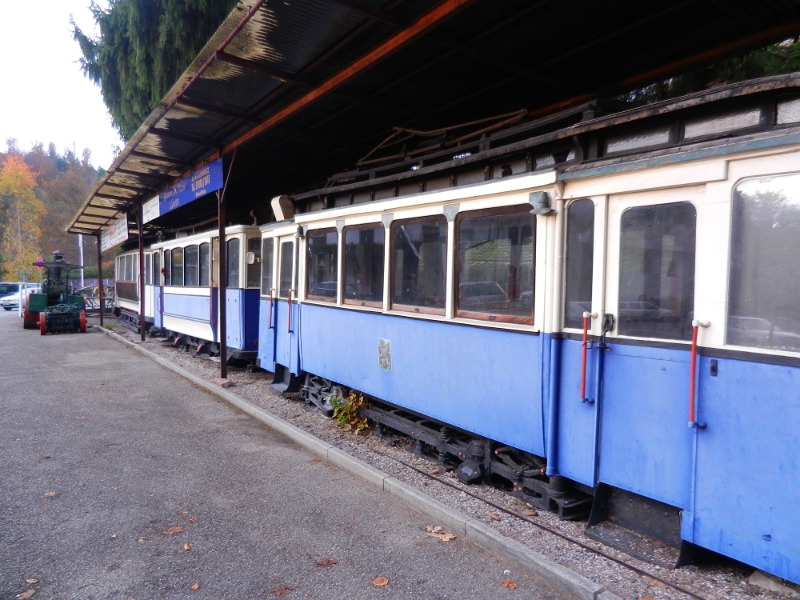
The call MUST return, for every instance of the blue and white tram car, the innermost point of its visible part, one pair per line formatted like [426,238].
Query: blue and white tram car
[126,290]
[186,291]
[613,316]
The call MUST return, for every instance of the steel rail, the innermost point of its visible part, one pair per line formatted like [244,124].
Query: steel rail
[545,528]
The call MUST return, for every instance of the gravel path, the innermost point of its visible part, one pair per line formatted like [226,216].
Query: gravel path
[712,582]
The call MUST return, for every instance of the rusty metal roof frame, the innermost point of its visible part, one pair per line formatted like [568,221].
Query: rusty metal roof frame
[291,85]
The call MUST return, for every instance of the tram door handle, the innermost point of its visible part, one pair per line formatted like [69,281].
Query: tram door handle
[289,313]
[584,347]
[271,305]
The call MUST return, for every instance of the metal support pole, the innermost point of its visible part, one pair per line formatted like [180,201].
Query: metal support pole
[222,285]
[139,219]
[100,279]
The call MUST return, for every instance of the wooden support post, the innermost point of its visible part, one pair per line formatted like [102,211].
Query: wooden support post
[222,285]
[100,294]
[139,219]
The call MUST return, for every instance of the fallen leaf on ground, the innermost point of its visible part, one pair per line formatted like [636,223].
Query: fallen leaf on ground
[531,513]
[440,533]
[142,539]
[507,583]
[31,581]
[49,495]
[187,547]
[113,536]
[282,590]
[648,598]
[317,460]
[173,530]
[195,587]
[326,562]
[494,517]
[191,521]
[380,581]
[26,595]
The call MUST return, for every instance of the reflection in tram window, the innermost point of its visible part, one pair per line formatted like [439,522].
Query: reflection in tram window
[419,254]
[156,268]
[495,264]
[322,264]
[167,267]
[191,256]
[233,263]
[763,309]
[579,267]
[148,269]
[205,264]
[363,265]
[254,268]
[177,266]
[287,266]
[267,251]
[656,271]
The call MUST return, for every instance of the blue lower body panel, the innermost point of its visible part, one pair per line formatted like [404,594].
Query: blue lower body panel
[645,442]
[485,381]
[242,319]
[747,491]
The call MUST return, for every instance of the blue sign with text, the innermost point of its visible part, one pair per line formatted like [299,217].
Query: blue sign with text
[198,184]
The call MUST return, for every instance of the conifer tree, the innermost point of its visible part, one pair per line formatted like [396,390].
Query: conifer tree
[142,49]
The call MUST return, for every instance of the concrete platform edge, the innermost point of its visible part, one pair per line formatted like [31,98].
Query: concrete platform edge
[558,577]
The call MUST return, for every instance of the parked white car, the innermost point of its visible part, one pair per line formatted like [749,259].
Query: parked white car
[10,293]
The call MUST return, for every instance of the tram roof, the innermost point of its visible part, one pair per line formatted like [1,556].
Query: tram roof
[291,91]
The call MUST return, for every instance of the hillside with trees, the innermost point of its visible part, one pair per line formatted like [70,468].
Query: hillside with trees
[41,190]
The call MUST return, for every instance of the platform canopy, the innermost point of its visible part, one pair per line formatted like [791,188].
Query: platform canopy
[289,92]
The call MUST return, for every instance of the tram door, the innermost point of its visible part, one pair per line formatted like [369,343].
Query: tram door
[286,313]
[157,291]
[267,306]
[644,444]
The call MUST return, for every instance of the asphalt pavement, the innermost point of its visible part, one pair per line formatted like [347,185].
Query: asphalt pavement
[120,479]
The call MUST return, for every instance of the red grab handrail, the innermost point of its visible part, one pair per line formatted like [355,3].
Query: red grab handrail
[586,316]
[289,321]
[270,308]
[696,325]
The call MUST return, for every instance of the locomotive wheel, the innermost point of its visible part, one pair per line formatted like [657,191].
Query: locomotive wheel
[82,319]
[43,323]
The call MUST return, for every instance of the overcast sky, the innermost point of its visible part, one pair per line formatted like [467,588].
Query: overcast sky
[44,96]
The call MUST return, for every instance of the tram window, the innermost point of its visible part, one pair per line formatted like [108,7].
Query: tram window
[495,264]
[233,263]
[419,259]
[322,264]
[129,267]
[656,271]
[205,264]
[191,257]
[287,264]
[267,253]
[364,265]
[156,268]
[764,271]
[148,269]
[579,264]
[254,270]
[718,124]
[177,266]
[635,141]
[167,267]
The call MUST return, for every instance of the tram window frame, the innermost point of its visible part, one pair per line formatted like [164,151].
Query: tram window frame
[233,266]
[290,280]
[267,266]
[310,283]
[157,268]
[204,264]
[645,308]
[148,269]
[417,308]
[167,267]
[177,274]
[191,266]
[520,209]
[253,271]
[576,265]
[762,268]
[355,300]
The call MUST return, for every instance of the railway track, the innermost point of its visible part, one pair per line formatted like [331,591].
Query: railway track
[550,530]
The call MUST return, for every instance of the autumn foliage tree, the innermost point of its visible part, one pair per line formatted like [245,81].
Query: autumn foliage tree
[22,219]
